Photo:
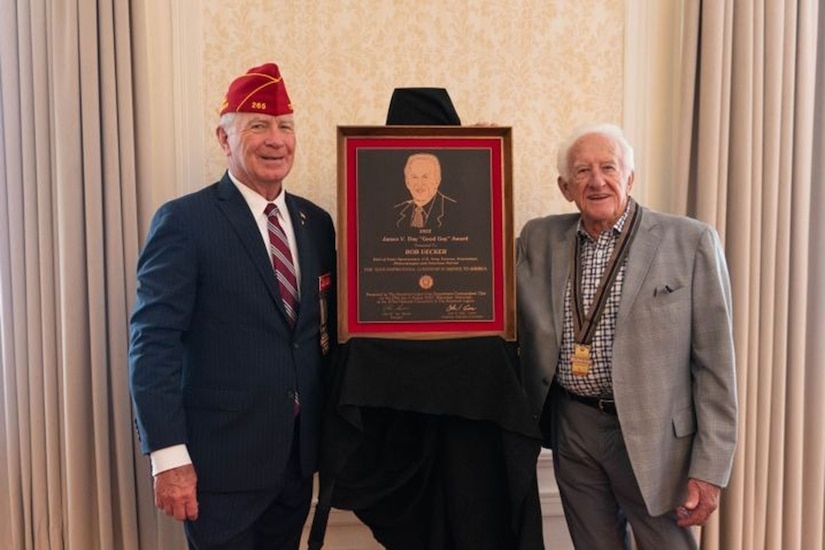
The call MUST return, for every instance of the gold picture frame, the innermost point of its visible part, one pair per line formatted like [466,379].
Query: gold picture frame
[426,247]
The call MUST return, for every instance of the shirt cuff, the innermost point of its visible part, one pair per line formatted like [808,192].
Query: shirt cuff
[168,458]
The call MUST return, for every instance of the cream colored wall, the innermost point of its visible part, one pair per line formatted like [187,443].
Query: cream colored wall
[540,66]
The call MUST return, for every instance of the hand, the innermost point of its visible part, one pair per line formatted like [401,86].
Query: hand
[702,499]
[175,492]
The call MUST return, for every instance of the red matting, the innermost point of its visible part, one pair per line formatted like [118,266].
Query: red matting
[364,155]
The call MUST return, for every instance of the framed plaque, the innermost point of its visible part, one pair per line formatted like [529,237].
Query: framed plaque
[425,235]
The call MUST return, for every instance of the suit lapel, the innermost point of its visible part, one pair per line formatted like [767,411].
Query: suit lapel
[403,214]
[642,251]
[560,251]
[440,206]
[302,226]
[236,210]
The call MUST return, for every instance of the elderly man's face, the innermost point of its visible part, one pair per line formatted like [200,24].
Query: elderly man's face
[422,179]
[260,149]
[597,181]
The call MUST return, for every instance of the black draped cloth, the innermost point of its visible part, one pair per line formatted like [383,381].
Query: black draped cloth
[431,443]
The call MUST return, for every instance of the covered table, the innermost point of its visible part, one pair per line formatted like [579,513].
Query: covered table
[432,445]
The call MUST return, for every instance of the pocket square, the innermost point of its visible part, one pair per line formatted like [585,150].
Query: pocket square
[664,290]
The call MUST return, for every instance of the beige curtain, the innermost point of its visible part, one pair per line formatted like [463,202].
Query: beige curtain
[751,163]
[68,244]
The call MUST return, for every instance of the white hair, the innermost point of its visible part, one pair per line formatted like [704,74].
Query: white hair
[227,120]
[609,130]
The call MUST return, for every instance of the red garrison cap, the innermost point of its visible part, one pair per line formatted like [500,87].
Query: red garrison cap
[260,90]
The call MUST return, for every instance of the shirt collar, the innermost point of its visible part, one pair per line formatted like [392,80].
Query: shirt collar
[617,228]
[257,203]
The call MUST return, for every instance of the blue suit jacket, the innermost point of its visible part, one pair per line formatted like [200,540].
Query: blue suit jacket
[213,362]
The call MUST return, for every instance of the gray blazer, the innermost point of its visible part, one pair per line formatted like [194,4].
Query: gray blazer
[673,362]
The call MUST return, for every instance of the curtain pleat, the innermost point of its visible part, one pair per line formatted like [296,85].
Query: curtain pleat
[813,472]
[750,152]
[69,238]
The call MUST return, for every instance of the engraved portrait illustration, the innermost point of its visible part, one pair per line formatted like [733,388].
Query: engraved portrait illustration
[428,207]
[425,246]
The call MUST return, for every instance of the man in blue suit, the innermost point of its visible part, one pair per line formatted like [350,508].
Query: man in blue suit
[231,333]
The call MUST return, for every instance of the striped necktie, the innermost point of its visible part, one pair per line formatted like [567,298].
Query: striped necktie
[418,217]
[282,263]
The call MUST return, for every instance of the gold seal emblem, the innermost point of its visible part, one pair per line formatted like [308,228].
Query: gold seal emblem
[425,282]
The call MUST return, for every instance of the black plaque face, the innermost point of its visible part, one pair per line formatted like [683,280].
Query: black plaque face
[425,232]
[440,269]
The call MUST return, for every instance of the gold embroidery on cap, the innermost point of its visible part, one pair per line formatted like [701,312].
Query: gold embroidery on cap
[255,91]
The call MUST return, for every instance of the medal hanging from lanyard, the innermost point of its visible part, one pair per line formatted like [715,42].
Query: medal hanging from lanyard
[584,327]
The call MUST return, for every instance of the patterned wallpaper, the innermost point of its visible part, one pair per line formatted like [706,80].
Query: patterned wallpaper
[540,66]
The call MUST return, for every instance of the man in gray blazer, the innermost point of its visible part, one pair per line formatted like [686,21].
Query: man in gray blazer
[627,349]
[231,336]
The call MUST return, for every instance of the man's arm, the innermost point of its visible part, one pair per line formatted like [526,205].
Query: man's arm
[166,279]
[712,368]
[166,283]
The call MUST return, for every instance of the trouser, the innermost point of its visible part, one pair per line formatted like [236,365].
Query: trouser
[598,488]
[259,520]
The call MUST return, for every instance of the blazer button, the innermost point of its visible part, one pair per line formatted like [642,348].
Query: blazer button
[295,345]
